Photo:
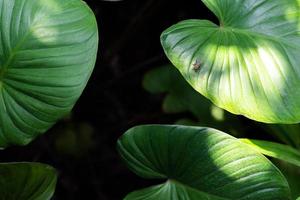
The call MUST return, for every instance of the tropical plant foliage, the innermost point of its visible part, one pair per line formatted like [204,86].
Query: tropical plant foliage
[28,181]
[199,163]
[47,53]
[249,63]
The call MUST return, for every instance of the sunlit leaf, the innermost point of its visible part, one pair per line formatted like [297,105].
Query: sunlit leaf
[47,53]
[249,64]
[275,150]
[199,163]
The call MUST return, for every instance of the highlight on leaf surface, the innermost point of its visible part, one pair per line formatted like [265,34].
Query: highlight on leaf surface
[47,53]
[199,163]
[276,150]
[249,63]
[26,181]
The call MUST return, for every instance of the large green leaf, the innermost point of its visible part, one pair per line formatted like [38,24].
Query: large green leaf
[47,53]
[249,64]
[26,181]
[199,163]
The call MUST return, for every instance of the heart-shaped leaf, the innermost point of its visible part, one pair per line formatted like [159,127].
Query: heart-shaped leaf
[47,53]
[249,64]
[26,181]
[199,163]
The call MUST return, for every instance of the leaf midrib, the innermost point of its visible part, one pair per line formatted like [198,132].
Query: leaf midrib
[13,52]
[174,181]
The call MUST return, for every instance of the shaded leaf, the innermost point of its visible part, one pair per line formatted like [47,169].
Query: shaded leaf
[172,104]
[292,174]
[287,133]
[74,139]
[26,181]
[159,79]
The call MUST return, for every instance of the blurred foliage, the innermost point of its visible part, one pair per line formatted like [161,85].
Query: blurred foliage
[180,97]
[74,139]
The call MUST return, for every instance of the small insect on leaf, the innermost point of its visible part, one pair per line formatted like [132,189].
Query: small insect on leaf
[196,65]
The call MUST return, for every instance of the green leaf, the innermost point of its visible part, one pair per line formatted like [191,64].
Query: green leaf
[275,150]
[47,53]
[159,79]
[170,190]
[173,104]
[26,181]
[199,162]
[292,174]
[74,139]
[287,133]
[181,96]
[248,64]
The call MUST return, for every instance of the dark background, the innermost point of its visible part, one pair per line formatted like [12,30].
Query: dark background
[82,147]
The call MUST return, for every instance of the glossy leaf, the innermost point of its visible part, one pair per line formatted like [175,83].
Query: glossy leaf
[26,181]
[199,162]
[47,53]
[249,64]
[275,150]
